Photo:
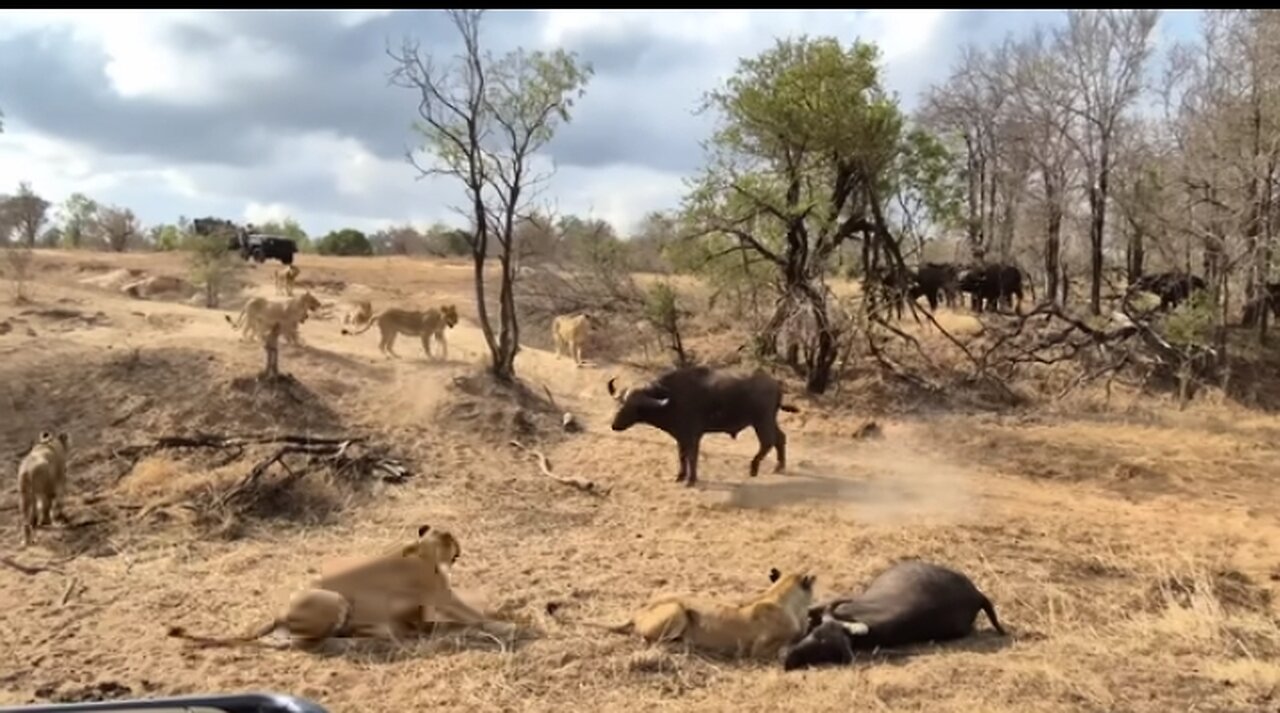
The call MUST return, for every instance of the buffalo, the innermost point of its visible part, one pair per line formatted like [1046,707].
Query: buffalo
[936,281]
[690,401]
[911,602]
[1171,287]
[992,284]
[1267,299]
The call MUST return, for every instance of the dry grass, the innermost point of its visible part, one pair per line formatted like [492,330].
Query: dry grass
[1130,550]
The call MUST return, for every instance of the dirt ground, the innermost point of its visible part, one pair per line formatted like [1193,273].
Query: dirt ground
[1132,552]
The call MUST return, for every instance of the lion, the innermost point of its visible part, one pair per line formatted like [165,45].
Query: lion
[389,595]
[358,312]
[42,482]
[758,628]
[258,316]
[285,278]
[570,332]
[420,323]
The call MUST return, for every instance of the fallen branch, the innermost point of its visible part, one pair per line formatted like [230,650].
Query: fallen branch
[29,570]
[544,465]
[66,593]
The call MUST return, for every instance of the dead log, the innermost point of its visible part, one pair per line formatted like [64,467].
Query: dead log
[544,465]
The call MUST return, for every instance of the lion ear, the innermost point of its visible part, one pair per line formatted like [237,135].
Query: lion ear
[774,574]
[423,530]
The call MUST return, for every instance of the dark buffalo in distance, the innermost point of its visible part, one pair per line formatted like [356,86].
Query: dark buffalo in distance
[694,400]
[936,281]
[912,602]
[1171,287]
[894,286]
[991,285]
[1268,299]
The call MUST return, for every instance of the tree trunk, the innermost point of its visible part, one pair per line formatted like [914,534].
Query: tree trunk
[1135,256]
[1053,239]
[1096,224]
[504,358]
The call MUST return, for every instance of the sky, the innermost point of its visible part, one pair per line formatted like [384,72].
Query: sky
[257,116]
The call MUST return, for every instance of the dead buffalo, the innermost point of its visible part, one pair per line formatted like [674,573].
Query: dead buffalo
[690,401]
[992,284]
[911,602]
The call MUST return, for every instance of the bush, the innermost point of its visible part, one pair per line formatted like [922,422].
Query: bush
[347,241]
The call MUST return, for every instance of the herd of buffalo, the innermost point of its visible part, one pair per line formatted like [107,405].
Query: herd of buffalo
[996,285]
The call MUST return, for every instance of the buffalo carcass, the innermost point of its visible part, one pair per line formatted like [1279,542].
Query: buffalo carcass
[992,284]
[912,602]
[936,281]
[690,401]
[1171,287]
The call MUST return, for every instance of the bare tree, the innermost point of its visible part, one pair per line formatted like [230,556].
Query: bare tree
[1103,54]
[483,121]
[118,226]
[1042,95]
[27,213]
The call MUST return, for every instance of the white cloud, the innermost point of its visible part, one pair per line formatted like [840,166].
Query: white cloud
[259,213]
[143,61]
[329,179]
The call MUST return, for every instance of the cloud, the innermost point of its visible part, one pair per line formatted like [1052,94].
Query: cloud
[266,114]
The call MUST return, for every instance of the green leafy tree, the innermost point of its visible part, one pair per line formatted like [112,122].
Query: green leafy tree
[483,119]
[166,238]
[28,213]
[78,215]
[800,163]
[347,241]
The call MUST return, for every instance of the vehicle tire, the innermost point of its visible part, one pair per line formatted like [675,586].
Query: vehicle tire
[257,255]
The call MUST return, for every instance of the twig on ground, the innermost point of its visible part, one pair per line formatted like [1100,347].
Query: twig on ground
[544,465]
[29,570]
[66,593]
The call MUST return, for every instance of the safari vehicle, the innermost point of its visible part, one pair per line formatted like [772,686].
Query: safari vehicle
[225,703]
[248,242]
[261,246]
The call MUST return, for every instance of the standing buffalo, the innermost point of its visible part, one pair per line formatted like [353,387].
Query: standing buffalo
[690,401]
[911,602]
[1171,287]
[1267,299]
[936,280]
[992,284]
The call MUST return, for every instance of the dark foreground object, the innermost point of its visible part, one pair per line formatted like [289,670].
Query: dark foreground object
[912,602]
[227,703]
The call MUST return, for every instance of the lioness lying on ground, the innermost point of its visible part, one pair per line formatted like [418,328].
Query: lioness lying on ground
[759,628]
[42,483]
[415,323]
[259,315]
[390,595]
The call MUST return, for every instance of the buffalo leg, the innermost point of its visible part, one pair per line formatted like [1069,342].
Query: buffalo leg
[780,447]
[767,434]
[691,457]
[683,447]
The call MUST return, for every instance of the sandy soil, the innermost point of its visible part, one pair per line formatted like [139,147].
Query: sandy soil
[1132,554]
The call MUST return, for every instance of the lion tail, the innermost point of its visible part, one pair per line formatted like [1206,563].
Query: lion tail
[239,320]
[365,328]
[252,637]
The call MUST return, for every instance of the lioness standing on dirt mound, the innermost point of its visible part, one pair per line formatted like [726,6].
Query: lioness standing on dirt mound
[570,331]
[415,323]
[761,627]
[389,595]
[42,482]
